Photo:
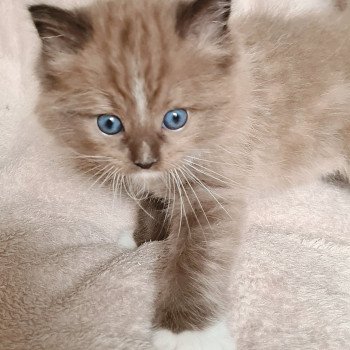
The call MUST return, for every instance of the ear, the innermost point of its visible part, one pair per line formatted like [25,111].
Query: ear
[203,17]
[61,30]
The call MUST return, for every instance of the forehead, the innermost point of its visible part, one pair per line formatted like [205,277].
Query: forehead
[136,54]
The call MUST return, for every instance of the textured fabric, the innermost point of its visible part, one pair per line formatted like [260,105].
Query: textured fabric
[65,284]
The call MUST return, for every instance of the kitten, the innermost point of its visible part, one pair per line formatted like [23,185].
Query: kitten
[193,114]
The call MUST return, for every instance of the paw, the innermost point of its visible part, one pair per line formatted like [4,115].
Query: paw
[216,337]
[126,240]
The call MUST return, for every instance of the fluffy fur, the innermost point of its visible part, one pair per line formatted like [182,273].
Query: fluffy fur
[269,105]
[291,7]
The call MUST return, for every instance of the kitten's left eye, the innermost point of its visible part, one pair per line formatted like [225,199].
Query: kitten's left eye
[175,119]
[110,124]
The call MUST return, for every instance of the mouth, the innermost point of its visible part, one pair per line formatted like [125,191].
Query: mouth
[146,175]
[145,181]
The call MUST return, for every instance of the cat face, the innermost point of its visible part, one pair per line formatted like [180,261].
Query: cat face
[137,85]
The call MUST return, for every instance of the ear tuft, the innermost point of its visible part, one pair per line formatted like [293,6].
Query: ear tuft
[203,17]
[61,30]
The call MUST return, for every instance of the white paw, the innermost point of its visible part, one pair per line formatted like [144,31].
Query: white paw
[126,240]
[216,337]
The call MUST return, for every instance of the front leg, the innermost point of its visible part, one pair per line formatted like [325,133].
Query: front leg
[192,302]
[151,220]
[151,224]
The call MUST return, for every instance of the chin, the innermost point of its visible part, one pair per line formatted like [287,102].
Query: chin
[147,177]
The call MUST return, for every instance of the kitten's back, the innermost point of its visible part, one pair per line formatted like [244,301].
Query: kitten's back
[301,68]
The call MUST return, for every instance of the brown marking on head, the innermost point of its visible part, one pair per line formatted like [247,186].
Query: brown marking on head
[132,59]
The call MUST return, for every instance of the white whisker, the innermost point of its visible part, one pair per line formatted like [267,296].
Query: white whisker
[184,170]
[181,188]
[196,179]
[204,171]
[167,198]
[137,201]
[173,199]
[104,173]
[181,202]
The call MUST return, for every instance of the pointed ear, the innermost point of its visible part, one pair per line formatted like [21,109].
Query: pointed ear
[61,30]
[203,17]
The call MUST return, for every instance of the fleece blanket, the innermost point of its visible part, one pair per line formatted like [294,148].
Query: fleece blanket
[65,284]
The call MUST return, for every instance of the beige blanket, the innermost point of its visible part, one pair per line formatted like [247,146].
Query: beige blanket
[65,284]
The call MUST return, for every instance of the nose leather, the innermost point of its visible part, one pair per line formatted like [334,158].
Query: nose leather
[147,165]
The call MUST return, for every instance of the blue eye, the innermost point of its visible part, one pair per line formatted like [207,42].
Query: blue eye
[109,124]
[175,119]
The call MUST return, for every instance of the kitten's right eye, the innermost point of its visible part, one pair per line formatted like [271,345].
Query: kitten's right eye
[110,124]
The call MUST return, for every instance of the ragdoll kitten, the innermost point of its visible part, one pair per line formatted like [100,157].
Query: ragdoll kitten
[193,114]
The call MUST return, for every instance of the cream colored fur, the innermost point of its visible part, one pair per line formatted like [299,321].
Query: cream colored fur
[286,7]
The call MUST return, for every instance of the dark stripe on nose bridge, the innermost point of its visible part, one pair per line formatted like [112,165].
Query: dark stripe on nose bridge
[144,152]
